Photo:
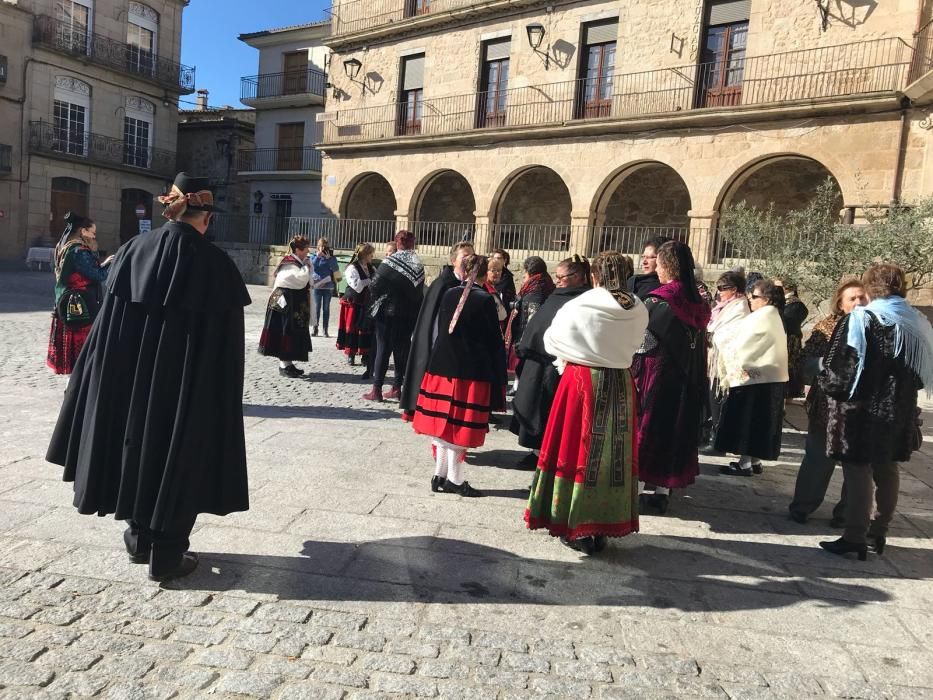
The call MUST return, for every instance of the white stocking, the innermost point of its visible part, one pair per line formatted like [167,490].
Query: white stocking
[440,459]
[455,466]
[283,364]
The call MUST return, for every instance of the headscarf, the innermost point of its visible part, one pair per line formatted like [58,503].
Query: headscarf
[177,202]
[912,332]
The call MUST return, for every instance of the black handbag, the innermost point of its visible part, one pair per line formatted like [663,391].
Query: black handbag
[74,309]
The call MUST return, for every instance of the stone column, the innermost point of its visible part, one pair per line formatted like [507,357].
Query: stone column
[482,239]
[702,236]
[581,232]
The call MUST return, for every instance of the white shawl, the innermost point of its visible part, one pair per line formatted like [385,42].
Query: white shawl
[753,350]
[293,277]
[594,330]
[734,310]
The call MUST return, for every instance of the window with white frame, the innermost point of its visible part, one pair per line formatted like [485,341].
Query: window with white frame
[137,132]
[142,35]
[74,19]
[71,115]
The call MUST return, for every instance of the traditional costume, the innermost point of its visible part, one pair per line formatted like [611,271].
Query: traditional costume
[539,376]
[152,424]
[794,314]
[670,372]
[422,340]
[285,333]
[534,292]
[752,371]
[354,335]
[724,315]
[586,484]
[78,295]
[463,383]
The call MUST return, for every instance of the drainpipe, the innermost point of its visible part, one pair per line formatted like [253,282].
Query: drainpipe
[901,153]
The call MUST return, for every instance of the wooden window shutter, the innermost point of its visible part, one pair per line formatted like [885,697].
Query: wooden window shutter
[498,49]
[601,32]
[727,12]
[413,72]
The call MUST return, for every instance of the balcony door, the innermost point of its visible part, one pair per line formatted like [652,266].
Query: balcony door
[69,121]
[67,195]
[290,146]
[722,63]
[296,73]
[73,18]
[413,8]
[411,102]
[494,84]
[597,68]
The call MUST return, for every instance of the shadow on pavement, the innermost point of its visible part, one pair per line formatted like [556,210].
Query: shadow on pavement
[653,571]
[319,412]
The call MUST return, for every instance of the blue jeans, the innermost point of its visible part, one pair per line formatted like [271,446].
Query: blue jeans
[322,302]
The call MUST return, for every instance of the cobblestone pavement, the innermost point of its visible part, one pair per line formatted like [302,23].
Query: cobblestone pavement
[349,578]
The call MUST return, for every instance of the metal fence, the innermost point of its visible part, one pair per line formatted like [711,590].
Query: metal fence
[867,67]
[265,160]
[923,52]
[257,87]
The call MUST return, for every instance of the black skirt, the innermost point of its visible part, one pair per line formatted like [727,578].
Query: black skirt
[751,420]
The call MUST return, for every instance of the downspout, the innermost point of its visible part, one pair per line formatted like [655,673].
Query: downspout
[897,188]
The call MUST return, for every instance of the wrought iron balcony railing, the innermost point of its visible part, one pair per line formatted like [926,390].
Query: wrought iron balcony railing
[79,43]
[864,68]
[305,82]
[349,16]
[6,159]
[48,139]
[923,52]
[265,160]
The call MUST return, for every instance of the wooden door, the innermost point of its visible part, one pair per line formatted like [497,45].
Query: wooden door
[722,68]
[291,146]
[68,195]
[296,73]
[597,80]
[493,99]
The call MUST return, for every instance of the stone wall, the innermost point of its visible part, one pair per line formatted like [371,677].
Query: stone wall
[538,196]
[787,185]
[449,198]
[650,196]
[371,198]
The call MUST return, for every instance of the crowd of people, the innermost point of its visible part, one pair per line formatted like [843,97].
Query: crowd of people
[617,381]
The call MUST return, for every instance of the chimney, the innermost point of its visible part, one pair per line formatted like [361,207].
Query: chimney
[202,100]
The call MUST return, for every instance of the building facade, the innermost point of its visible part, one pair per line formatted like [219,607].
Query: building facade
[210,143]
[560,126]
[90,111]
[287,94]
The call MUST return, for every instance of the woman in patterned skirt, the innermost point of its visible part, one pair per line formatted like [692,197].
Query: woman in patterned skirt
[354,335]
[285,332]
[78,294]
[585,489]
[465,378]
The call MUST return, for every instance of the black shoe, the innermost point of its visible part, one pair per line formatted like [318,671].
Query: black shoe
[326,334]
[733,469]
[581,544]
[290,371]
[437,483]
[463,489]
[600,542]
[188,563]
[351,360]
[757,468]
[643,504]
[843,546]
[838,522]
[529,461]
[878,543]
[661,502]
[136,554]
[711,451]
[798,517]
[314,332]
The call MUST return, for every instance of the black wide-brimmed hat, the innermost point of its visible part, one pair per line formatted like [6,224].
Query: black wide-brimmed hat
[195,191]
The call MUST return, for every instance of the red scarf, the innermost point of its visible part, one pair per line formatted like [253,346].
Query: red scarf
[693,313]
[540,282]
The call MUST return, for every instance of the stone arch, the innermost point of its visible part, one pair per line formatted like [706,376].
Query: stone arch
[442,210]
[532,211]
[637,201]
[369,197]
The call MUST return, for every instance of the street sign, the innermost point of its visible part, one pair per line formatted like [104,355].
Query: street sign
[140,211]
[145,225]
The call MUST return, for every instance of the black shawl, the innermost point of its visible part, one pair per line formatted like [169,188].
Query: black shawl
[422,338]
[152,423]
[538,377]
[642,285]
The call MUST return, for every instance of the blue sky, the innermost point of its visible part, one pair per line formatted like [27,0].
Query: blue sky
[209,40]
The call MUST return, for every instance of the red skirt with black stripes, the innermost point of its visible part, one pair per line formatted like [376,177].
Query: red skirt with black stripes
[453,410]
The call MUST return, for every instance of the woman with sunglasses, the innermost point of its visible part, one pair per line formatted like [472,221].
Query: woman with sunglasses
[731,308]
[752,371]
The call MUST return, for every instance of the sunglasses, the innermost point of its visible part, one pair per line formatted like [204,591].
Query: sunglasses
[563,277]
[724,287]
[756,296]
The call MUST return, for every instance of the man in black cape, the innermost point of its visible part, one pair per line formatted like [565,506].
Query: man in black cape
[642,285]
[422,340]
[538,377]
[151,429]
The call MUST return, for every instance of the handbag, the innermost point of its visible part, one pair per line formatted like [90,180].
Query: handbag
[74,310]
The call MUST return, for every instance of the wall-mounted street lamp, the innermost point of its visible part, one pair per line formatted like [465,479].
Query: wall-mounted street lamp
[824,13]
[536,34]
[352,67]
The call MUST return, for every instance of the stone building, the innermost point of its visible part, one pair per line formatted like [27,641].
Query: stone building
[210,143]
[578,125]
[88,114]
[284,168]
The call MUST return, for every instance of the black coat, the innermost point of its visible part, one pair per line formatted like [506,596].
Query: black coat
[539,377]
[152,424]
[794,314]
[642,285]
[878,424]
[423,338]
[505,288]
[394,293]
[474,350]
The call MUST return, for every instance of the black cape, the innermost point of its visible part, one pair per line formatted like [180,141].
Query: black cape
[152,424]
[642,285]
[423,337]
[539,377]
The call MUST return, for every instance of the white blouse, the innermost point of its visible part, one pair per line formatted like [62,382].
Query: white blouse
[291,277]
[355,281]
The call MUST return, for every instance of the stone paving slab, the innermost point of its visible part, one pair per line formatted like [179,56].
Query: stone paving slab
[348,578]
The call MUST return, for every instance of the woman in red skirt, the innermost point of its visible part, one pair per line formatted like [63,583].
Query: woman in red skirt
[354,336]
[465,379]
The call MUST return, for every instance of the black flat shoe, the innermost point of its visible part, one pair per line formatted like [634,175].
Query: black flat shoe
[600,542]
[463,489]
[842,546]
[291,371]
[141,557]
[188,563]
[878,543]
[733,469]
[581,544]
[798,517]
[437,483]
[711,451]
[757,468]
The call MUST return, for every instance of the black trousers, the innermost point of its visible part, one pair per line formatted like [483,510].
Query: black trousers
[165,547]
[393,337]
